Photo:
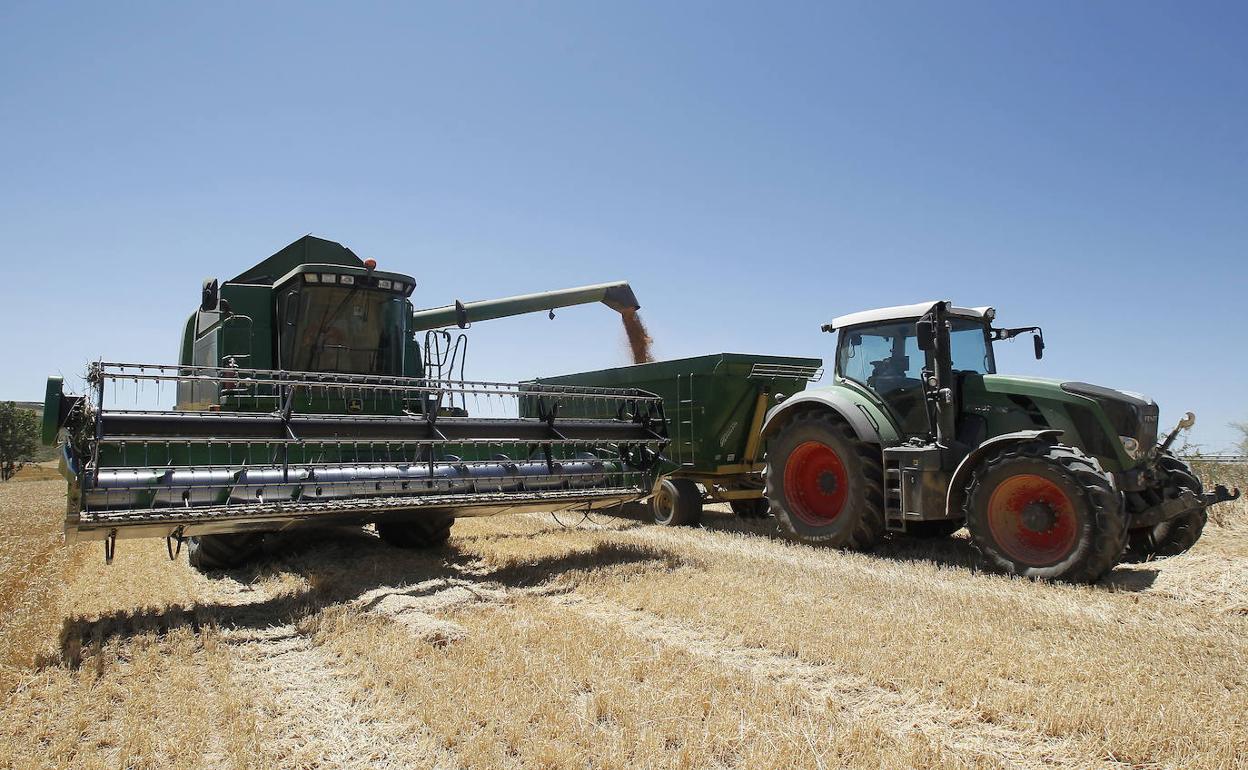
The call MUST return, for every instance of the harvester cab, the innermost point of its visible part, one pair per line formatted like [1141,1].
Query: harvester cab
[302,398]
[920,435]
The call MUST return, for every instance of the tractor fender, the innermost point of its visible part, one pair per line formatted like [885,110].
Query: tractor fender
[868,422]
[962,474]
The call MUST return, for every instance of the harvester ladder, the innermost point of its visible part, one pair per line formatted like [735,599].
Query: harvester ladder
[894,517]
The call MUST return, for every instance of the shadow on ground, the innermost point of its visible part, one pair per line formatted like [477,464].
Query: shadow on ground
[339,567]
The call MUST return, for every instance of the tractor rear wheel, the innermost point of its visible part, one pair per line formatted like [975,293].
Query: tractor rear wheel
[824,484]
[1045,511]
[933,530]
[207,553]
[425,532]
[677,503]
[1173,537]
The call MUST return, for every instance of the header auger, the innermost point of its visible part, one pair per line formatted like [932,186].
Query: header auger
[302,399]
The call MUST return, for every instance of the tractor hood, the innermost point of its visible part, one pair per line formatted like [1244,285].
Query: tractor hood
[1101,416]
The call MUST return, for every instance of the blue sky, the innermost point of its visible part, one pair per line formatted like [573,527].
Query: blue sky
[753,170]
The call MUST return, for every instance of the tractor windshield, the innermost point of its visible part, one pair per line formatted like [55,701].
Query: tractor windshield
[341,329]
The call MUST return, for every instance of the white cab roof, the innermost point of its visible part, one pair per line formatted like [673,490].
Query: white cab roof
[903,312]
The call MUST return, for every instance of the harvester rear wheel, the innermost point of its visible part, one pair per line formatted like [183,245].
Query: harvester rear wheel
[677,503]
[1173,537]
[933,530]
[824,484]
[425,532]
[1046,511]
[216,552]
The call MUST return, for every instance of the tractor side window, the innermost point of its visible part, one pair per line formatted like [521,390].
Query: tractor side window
[887,360]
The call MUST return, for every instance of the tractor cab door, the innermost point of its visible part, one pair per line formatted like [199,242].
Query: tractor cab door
[885,358]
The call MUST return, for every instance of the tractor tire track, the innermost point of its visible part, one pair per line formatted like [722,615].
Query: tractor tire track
[959,730]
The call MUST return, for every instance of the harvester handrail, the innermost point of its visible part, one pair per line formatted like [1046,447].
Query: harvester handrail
[335,380]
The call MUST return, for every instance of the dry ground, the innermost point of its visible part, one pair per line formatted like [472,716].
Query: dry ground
[613,644]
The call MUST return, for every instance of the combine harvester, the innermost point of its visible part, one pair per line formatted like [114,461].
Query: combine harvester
[304,399]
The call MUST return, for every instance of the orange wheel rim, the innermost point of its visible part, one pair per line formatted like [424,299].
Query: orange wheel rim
[816,485]
[1033,520]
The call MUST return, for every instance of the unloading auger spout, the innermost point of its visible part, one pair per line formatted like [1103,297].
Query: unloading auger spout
[618,296]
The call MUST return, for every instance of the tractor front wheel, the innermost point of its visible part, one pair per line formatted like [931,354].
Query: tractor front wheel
[1173,537]
[425,532]
[825,485]
[1046,511]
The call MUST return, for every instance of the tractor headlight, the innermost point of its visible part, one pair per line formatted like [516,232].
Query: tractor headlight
[1131,446]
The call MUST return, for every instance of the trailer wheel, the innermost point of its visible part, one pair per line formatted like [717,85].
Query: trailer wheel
[824,484]
[933,530]
[1046,511]
[753,508]
[207,553]
[677,503]
[424,532]
[1173,537]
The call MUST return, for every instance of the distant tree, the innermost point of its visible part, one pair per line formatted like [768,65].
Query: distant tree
[1242,445]
[19,438]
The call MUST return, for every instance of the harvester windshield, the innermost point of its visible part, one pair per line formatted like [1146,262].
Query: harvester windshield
[342,329]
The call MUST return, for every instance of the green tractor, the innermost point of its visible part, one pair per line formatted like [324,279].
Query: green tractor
[920,435]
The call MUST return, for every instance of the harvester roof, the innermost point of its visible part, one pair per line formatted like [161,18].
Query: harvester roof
[902,312]
[307,250]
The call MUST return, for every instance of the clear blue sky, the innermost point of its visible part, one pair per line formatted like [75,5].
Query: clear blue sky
[753,170]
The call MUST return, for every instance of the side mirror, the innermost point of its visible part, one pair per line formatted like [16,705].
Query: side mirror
[208,299]
[925,331]
[1037,342]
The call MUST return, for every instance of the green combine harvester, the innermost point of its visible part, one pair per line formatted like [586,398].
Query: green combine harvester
[304,398]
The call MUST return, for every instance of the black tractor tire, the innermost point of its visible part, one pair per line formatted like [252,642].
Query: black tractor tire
[933,530]
[824,484]
[424,532]
[677,503]
[1058,517]
[1173,537]
[752,508]
[208,553]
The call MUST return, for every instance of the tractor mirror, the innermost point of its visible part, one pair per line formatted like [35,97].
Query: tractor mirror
[1037,342]
[925,331]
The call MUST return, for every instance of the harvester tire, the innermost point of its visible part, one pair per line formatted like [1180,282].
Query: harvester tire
[1173,537]
[1045,511]
[933,530]
[208,553]
[824,484]
[753,508]
[424,532]
[677,503]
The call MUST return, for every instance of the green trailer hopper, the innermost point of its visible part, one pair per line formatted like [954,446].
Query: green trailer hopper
[714,407]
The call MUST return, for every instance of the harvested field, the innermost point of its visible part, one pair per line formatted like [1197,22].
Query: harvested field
[613,644]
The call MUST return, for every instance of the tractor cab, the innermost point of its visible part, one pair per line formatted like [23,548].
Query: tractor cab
[881,352]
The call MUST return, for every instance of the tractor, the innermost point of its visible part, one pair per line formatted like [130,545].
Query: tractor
[919,434]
